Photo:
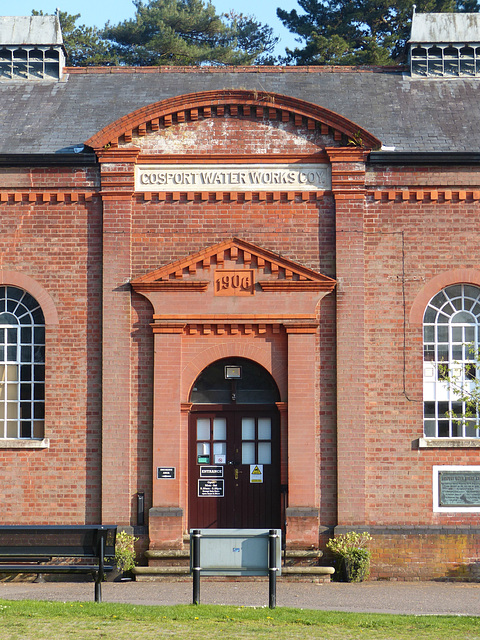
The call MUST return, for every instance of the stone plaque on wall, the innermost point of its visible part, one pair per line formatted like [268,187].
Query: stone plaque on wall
[459,488]
[233,177]
[234,282]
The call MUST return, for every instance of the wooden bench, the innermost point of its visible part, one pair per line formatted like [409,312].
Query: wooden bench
[26,549]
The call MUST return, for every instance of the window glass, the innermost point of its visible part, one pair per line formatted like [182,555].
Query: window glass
[264,453]
[203,449]
[439,300]
[428,334]
[451,339]
[203,428]
[248,453]
[442,333]
[255,386]
[220,448]
[462,317]
[264,429]
[219,429]
[248,428]
[22,357]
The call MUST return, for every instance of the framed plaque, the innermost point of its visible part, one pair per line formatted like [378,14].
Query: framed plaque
[211,489]
[456,488]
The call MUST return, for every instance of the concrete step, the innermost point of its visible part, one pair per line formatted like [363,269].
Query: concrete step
[305,574]
[174,564]
[292,555]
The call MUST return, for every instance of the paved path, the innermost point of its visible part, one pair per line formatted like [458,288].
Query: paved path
[421,598]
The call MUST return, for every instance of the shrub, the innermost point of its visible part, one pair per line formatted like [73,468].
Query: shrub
[354,559]
[125,551]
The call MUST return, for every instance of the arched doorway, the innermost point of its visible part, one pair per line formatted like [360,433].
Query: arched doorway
[234,447]
[276,322]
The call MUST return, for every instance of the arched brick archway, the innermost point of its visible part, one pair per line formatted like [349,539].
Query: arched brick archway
[235,428]
[260,104]
[43,298]
[260,354]
[436,284]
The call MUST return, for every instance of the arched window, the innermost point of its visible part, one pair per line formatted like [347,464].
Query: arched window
[253,386]
[451,338]
[22,365]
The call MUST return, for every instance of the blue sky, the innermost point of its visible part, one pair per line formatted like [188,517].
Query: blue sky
[97,12]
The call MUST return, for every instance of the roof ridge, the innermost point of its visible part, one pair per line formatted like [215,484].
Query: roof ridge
[237,69]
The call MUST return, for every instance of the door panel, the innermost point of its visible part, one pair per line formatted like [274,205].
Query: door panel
[234,468]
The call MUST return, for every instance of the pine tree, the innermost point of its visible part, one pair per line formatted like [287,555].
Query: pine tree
[360,31]
[189,32]
[84,45]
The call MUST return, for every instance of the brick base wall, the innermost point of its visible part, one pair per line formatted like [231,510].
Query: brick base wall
[423,553]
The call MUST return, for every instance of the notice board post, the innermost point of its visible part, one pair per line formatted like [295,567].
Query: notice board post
[236,552]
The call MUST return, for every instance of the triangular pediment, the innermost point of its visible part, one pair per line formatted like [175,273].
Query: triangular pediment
[227,261]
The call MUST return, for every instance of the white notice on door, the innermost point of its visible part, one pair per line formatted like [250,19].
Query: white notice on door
[256,473]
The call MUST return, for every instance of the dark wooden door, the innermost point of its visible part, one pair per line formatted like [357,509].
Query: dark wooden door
[234,468]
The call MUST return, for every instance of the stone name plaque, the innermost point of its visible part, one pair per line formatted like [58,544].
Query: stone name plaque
[233,177]
[459,488]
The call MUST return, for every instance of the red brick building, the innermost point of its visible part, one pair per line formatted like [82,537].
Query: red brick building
[217,287]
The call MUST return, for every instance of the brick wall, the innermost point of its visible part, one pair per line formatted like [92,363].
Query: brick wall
[58,245]
[385,244]
[449,554]
[406,245]
[234,136]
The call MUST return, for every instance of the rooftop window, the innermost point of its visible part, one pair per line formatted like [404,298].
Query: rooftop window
[31,48]
[440,60]
[445,45]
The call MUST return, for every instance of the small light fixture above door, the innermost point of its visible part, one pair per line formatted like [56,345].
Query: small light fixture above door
[233,372]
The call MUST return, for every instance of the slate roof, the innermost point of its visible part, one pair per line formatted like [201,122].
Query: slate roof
[409,114]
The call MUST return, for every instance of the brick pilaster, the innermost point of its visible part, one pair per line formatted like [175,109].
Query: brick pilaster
[302,511]
[348,186]
[117,189]
[169,439]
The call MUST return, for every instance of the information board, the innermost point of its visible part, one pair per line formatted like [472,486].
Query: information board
[165,472]
[211,489]
[211,472]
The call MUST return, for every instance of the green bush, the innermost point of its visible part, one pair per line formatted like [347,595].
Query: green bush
[125,551]
[353,558]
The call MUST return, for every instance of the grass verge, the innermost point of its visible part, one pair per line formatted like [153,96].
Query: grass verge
[47,620]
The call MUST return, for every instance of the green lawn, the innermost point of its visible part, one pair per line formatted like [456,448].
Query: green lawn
[34,620]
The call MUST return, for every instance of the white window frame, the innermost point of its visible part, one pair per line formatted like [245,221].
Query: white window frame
[451,324]
[22,368]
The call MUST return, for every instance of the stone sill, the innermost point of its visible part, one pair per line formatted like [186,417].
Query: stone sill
[448,443]
[11,443]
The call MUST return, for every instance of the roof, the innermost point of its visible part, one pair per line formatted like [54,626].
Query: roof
[409,114]
[24,30]
[449,28]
